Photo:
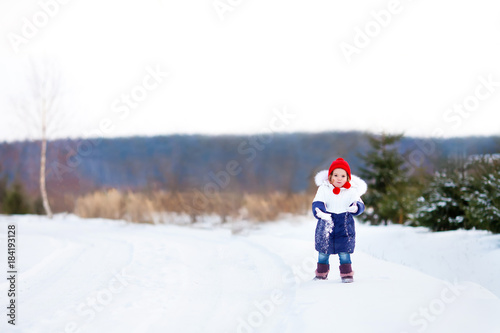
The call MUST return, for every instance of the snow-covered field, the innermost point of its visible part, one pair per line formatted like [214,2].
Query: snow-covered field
[79,275]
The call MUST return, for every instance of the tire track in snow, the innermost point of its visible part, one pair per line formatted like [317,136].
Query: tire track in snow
[61,281]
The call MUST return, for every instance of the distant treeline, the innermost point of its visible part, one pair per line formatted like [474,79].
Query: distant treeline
[252,164]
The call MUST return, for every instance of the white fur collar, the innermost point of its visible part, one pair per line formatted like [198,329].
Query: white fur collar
[358,184]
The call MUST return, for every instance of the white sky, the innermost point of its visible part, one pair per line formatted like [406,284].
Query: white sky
[227,76]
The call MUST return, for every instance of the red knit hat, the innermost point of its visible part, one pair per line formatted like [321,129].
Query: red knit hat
[340,163]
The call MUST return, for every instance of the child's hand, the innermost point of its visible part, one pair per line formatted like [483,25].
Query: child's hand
[322,215]
[353,208]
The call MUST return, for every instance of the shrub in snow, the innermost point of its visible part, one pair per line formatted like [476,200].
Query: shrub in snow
[466,199]
[483,201]
[15,200]
[441,207]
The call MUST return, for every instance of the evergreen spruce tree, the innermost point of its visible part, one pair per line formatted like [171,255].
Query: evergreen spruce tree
[388,197]
[3,192]
[442,205]
[483,195]
[15,201]
[3,189]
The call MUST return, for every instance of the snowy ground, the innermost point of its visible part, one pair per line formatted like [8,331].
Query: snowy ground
[80,275]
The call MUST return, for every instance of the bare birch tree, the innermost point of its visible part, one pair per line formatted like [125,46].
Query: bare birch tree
[39,111]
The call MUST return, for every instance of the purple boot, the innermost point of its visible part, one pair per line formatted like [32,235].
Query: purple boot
[322,272]
[346,273]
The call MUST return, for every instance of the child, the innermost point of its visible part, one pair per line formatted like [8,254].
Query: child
[338,199]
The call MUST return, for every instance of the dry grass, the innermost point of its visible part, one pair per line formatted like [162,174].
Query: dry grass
[138,208]
[106,204]
[268,207]
[144,208]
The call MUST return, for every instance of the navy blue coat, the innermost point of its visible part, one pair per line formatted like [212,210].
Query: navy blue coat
[339,236]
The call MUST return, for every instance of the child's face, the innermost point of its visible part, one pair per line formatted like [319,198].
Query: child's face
[338,177]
